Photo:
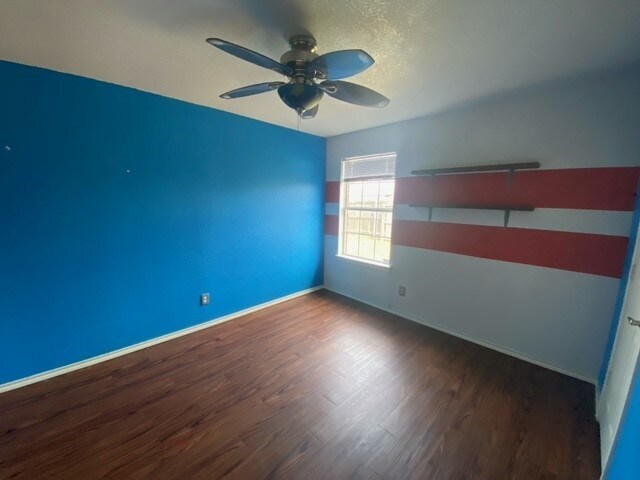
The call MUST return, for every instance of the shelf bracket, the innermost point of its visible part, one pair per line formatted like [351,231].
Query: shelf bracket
[507,214]
[512,177]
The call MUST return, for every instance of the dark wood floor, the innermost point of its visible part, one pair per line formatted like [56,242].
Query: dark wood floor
[318,387]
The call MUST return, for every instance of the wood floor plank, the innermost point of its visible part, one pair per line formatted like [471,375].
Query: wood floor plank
[317,387]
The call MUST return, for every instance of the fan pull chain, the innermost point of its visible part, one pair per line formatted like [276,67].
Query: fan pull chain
[297,115]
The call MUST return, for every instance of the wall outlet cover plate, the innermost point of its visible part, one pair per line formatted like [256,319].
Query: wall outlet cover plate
[205,299]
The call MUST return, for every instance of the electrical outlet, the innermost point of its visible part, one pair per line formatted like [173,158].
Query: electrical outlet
[402,291]
[205,299]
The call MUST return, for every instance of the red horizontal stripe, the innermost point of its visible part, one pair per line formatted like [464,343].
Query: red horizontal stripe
[332,192]
[578,252]
[331,224]
[578,188]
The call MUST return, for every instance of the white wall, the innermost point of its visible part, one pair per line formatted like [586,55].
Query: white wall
[553,317]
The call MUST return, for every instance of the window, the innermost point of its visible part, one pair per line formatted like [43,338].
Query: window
[366,207]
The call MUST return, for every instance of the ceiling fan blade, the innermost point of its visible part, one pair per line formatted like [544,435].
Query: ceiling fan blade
[251,90]
[309,114]
[352,93]
[250,56]
[340,64]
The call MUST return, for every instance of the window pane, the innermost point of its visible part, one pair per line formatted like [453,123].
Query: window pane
[386,220]
[378,226]
[354,194]
[352,223]
[383,250]
[367,222]
[351,244]
[370,193]
[367,244]
[386,193]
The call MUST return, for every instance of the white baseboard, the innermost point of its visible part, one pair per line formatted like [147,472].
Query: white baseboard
[483,343]
[39,377]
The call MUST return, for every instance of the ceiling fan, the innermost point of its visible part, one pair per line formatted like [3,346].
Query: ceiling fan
[310,75]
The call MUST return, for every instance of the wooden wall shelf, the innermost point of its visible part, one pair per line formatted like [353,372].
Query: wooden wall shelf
[506,208]
[519,208]
[496,167]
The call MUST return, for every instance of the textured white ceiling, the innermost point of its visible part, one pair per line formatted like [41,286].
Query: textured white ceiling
[430,54]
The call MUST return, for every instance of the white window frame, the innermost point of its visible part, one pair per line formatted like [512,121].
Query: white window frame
[344,209]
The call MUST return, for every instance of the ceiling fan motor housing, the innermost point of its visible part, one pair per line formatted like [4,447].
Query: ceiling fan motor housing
[301,93]
[303,50]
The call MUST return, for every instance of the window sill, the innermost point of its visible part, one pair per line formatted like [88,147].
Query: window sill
[361,261]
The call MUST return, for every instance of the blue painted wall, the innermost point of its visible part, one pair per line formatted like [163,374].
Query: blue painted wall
[93,258]
[625,458]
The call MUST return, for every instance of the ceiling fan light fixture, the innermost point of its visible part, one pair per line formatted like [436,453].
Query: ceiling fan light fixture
[300,96]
